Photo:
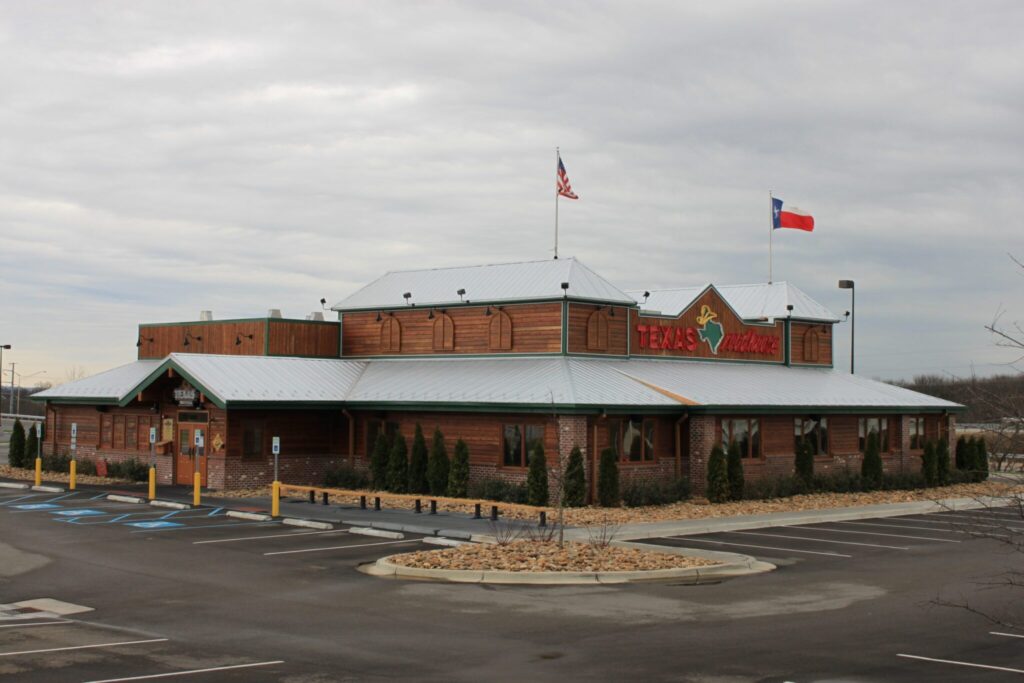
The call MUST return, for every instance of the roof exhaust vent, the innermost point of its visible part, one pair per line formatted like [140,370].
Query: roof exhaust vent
[205,316]
[315,315]
[274,313]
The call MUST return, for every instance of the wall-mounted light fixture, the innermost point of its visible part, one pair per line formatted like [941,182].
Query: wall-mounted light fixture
[378,316]
[430,316]
[189,337]
[143,339]
[488,311]
[238,338]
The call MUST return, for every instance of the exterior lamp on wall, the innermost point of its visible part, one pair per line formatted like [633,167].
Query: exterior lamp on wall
[188,337]
[238,338]
[430,316]
[848,284]
[378,316]
[488,311]
[143,339]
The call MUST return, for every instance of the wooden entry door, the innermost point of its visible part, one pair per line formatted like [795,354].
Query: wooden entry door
[187,451]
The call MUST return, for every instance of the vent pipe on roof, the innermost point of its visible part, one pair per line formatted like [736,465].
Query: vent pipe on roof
[274,313]
[205,315]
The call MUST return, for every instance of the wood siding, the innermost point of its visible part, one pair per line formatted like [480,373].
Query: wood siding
[286,338]
[803,336]
[618,329]
[303,433]
[536,328]
[303,338]
[653,344]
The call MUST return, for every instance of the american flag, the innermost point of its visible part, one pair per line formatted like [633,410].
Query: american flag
[564,188]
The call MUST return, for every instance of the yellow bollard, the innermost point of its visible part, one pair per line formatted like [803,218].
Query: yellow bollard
[39,471]
[152,483]
[275,500]
[73,472]
[195,488]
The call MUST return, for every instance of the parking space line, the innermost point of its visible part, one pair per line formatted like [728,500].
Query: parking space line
[901,526]
[203,526]
[763,547]
[15,500]
[188,673]
[254,538]
[874,533]
[820,540]
[39,623]
[1008,635]
[83,647]
[973,521]
[970,664]
[341,547]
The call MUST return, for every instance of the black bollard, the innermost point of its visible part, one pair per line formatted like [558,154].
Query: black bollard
[433,507]
[325,497]
[362,502]
[476,511]
[494,513]
[543,518]
[376,503]
[419,506]
[312,496]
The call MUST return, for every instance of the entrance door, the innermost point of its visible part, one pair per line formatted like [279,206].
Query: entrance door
[191,447]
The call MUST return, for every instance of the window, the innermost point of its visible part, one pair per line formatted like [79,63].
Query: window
[373,430]
[811,348]
[106,430]
[444,333]
[500,338]
[518,441]
[873,425]
[744,431]
[632,439]
[131,440]
[597,331]
[390,335]
[119,432]
[812,430]
[916,428]
[252,440]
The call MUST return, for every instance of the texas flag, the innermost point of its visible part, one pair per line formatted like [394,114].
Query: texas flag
[790,218]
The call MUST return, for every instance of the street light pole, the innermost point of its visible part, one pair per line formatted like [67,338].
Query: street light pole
[848,284]
[2,347]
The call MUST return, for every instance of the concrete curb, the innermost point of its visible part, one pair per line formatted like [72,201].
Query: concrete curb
[170,504]
[117,498]
[307,523]
[254,516]
[743,565]
[366,531]
[11,485]
[48,489]
[448,542]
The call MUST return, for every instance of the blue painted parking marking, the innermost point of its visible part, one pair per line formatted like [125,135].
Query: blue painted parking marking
[79,513]
[157,524]
[36,506]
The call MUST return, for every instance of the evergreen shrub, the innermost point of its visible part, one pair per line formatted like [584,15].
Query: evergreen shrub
[537,477]
[398,466]
[718,476]
[734,468]
[608,479]
[438,465]
[458,475]
[418,463]
[574,485]
[871,465]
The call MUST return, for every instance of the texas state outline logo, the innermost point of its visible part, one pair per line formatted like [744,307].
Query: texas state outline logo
[710,330]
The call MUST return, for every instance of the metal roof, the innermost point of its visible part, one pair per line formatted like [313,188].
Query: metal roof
[529,280]
[751,302]
[538,382]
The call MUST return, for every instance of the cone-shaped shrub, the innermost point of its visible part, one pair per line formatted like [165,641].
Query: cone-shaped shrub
[734,468]
[31,446]
[458,475]
[418,463]
[537,477]
[962,454]
[574,485]
[398,466]
[928,464]
[437,465]
[804,464]
[871,465]
[379,463]
[981,459]
[942,462]
[718,476]
[608,479]
[16,450]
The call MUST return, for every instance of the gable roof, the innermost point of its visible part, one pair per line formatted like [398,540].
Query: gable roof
[503,282]
[751,302]
[108,386]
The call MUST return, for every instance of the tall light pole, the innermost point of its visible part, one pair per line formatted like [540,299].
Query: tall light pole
[2,347]
[848,284]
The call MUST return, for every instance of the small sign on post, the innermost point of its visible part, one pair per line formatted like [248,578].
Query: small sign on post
[74,439]
[275,448]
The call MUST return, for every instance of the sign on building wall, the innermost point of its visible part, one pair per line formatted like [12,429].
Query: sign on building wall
[186,395]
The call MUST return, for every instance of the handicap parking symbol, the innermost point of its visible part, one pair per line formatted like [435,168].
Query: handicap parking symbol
[79,513]
[36,506]
[154,525]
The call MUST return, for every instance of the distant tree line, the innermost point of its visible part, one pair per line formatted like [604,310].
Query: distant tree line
[988,399]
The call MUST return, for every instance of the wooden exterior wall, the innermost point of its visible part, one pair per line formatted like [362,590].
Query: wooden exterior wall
[811,344]
[272,337]
[680,337]
[580,320]
[536,328]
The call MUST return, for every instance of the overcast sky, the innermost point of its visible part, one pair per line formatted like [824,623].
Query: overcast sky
[159,158]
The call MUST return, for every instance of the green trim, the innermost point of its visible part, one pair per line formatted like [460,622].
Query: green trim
[341,334]
[293,355]
[545,408]
[787,341]
[238,320]
[420,356]
[477,303]
[152,377]
[825,410]
[266,337]
[564,335]
[691,359]
[106,401]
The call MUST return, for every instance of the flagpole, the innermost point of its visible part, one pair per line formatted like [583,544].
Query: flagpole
[557,159]
[771,232]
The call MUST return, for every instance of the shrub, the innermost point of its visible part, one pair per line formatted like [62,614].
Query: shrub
[398,466]
[501,491]
[89,467]
[438,465]
[963,461]
[734,467]
[776,487]
[929,466]
[804,463]
[942,462]
[718,476]
[981,459]
[903,482]
[133,470]
[608,479]
[574,484]
[59,463]
[642,492]
[31,445]
[458,475]
[16,450]
[537,477]
[379,463]
[871,465]
[418,464]
[346,477]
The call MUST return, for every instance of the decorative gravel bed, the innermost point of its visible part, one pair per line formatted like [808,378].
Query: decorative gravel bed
[541,556]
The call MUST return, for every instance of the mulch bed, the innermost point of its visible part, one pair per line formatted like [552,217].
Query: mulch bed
[61,477]
[543,556]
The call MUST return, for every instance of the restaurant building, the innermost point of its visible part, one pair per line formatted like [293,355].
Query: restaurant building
[500,356]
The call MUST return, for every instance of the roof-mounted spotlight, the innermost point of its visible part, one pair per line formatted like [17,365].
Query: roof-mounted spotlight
[461,293]
[407,296]
[565,289]
[323,303]
[647,295]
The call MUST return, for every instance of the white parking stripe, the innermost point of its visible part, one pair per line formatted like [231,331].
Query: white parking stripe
[873,533]
[39,623]
[340,547]
[763,547]
[190,672]
[256,538]
[1008,635]
[820,540]
[901,526]
[970,664]
[82,647]
[967,520]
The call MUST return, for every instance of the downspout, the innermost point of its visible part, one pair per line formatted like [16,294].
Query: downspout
[789,341]
[351,436]
[679,444]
